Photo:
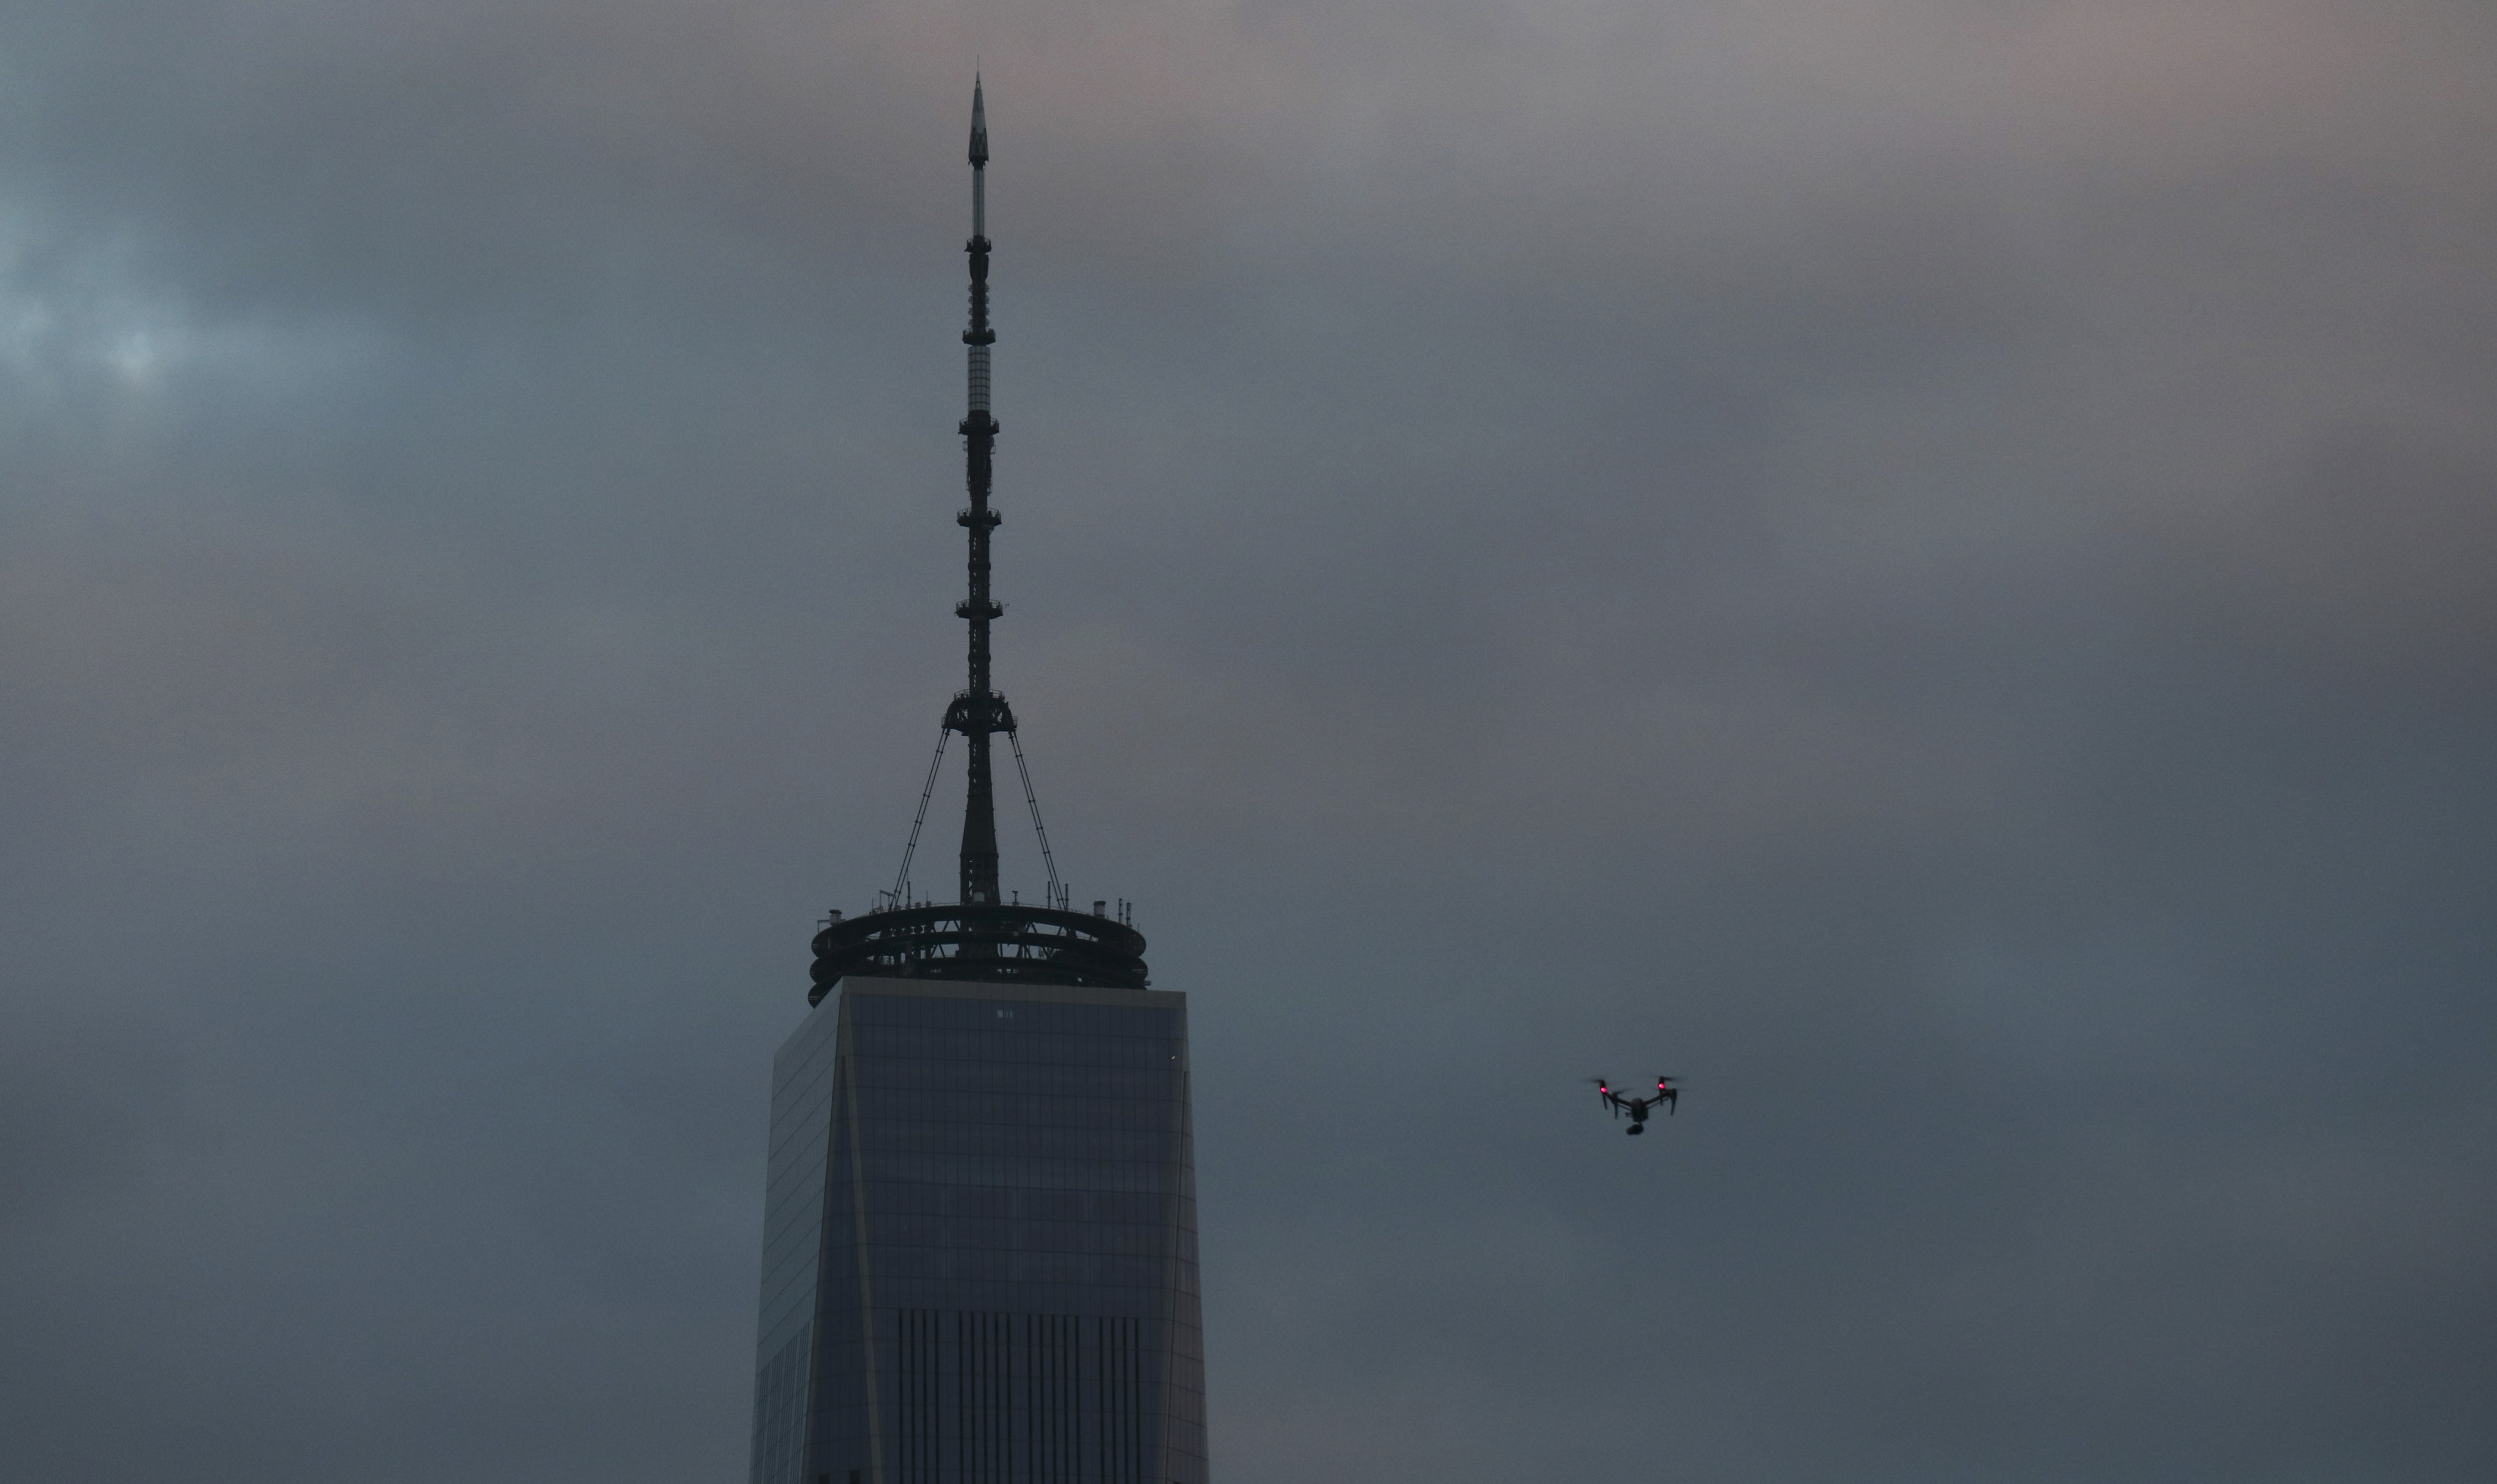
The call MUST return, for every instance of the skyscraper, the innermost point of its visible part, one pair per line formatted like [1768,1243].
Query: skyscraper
[980,1218]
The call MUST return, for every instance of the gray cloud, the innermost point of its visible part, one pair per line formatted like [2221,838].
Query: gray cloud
[1922,565]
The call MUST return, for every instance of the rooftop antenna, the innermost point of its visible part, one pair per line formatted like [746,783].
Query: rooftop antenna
[979,712]
[981,937]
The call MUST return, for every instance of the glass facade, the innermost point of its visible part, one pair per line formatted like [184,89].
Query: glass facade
[980,1248]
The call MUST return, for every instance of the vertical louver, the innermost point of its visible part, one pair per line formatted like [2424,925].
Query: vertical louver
[987,1398]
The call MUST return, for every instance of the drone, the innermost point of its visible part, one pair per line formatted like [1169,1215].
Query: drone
[1666,1094]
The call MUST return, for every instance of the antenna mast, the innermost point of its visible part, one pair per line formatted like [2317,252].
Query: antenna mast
[981,939]
[979,712]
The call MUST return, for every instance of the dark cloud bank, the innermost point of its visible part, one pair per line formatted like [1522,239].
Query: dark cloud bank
[1931,567]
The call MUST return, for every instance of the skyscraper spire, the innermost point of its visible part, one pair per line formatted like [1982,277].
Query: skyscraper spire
[979,712]
[983,936]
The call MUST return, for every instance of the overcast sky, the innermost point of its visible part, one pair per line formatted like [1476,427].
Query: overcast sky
[1929,566]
